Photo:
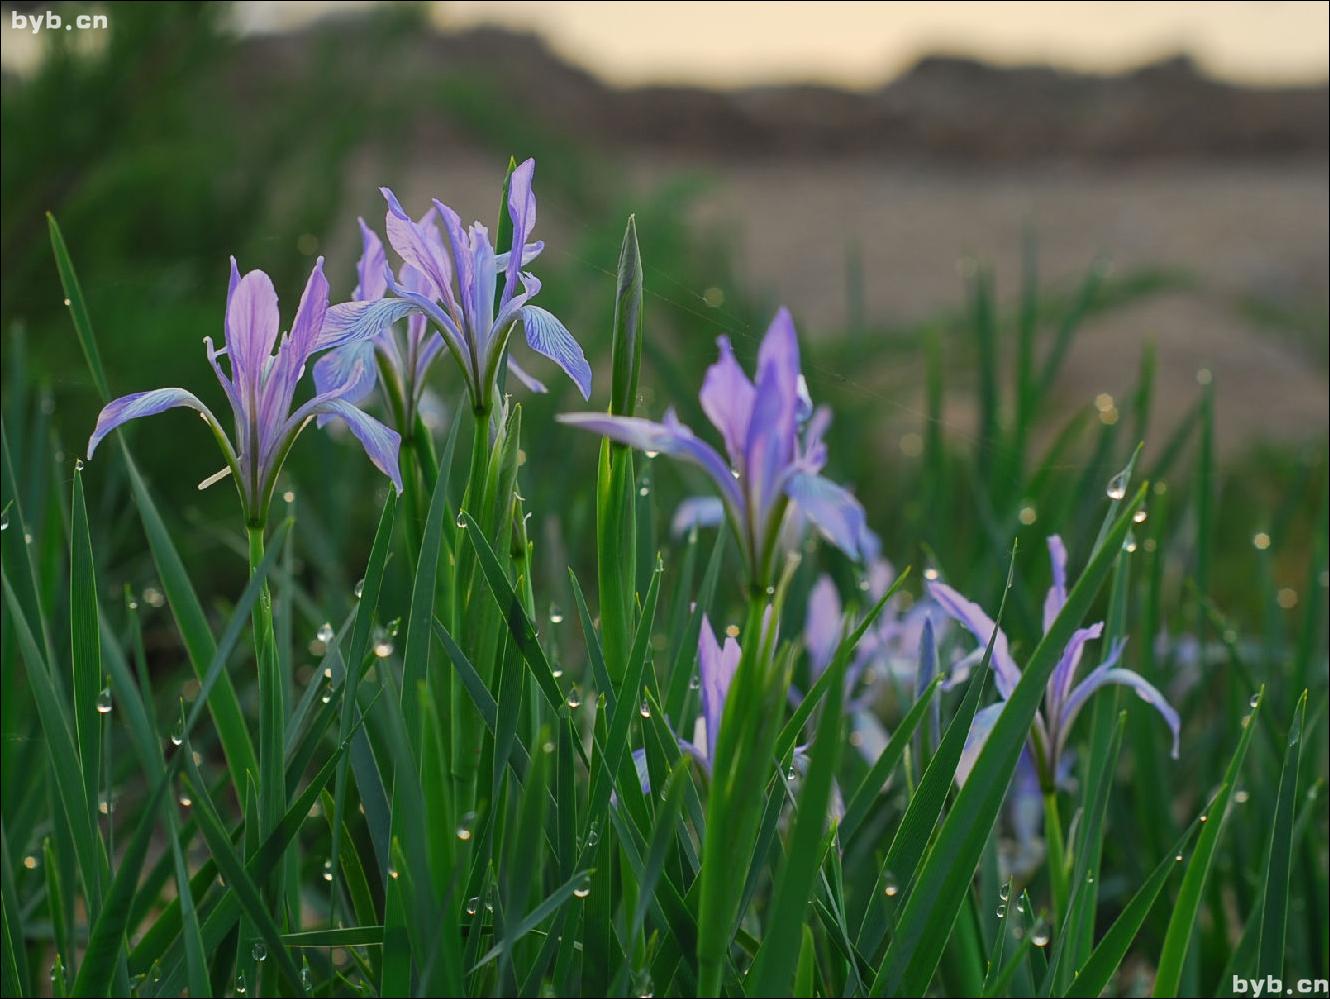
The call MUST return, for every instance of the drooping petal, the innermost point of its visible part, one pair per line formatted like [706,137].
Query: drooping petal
[546,335]
[823,624]
[252,323]
[1146,691]
[716,667]
[532,383]
[980,728]
[140,404]
[981,626]
[670,437]
[478,294]
[727,399]
[350,369]
[1057,592]
[381,443]
[351,322]
[697,511]
[832,509]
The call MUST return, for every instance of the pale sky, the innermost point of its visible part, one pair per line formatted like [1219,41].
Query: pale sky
[861,44]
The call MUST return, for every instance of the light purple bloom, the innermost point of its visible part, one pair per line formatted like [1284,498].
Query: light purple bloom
[773,440]
[472,297]
[261,389]
[1063,698]
[889,650]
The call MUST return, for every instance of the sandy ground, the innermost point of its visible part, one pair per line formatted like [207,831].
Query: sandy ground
[1259,230]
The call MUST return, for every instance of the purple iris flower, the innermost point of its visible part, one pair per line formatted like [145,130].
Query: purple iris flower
[472,296]
[261,389]
[775,450]
[1063,698]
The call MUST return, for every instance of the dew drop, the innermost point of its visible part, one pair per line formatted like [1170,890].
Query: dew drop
[1255,699]
[306,978]
[695,683]
[592,836]
[259,951]
[645,709]
[1139,516]
[1004,892]
[644,491]
[359,588]
[185,801]
[1002,912]
[104,701]
[556,615]
[465,826]
[472,905]
[1177,858]
[394,873]
[1129,543]
[240,984]
[178,733]
[582,890]
[574,698]
[891,889]
[327,870]
[651,454]
[557,672]
[461,518]
[930,574]
[1040,937]
[1117,486]
[325,633]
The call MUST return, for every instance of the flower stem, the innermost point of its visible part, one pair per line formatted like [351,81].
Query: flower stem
[1057,855]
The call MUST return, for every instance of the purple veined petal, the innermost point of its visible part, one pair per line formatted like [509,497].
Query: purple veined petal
[546,335]
[697,511]
[981,626]
[832,509]
[532,383]
[727,398]
[1064,673]
[252,323]
[670,437]
[1057,592]
[352,322]
[522,212]
[381,443]
[370,283]
[413,244]
[823,624]
[980,728]
[348,373]
[140,404]
[716,666]
[452,335]
[1106,674]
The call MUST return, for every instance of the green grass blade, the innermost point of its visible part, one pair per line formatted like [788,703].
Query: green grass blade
[1104,961]
[774,967]
[1182,923]
[84,641]
[78,309]
[935,900]
[880,772]
[1274,918]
